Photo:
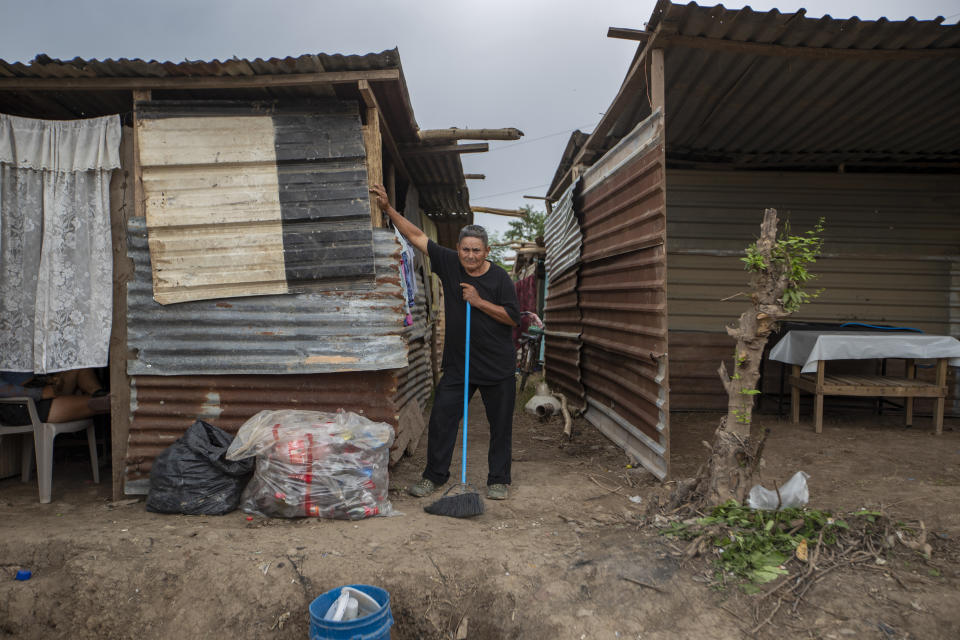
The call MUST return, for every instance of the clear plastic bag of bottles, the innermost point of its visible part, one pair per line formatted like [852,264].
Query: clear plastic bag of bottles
[309,463]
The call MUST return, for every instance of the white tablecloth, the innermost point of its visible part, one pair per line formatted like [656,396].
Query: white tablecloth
[808,347]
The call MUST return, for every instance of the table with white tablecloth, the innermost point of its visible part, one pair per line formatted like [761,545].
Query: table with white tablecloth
[808,352]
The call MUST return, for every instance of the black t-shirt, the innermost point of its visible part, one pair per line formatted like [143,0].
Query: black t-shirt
[492,356]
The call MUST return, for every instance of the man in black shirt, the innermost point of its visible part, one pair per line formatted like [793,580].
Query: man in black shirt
[467,276]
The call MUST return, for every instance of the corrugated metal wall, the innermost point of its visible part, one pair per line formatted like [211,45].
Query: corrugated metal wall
[891,254]
[622,296]
[316,351]
[294,333]
[162,407]
[562,317]
[251,200]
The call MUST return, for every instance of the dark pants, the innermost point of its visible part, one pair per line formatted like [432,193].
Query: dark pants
[445,417]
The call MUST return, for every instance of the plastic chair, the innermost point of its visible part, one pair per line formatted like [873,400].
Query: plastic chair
[42,442]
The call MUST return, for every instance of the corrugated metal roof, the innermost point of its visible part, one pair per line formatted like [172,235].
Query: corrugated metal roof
[293,333]
[43,66]
[439,178]
[762,89]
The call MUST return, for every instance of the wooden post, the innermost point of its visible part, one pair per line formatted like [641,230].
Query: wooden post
[908,404]
[390,182]
[657,83]
[372,142]
[818,398]
[130,183]
[942,398]
[795,394]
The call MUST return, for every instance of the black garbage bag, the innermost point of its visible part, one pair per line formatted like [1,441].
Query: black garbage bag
[193,476]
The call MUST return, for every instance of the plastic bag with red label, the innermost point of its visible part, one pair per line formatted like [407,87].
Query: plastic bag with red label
[310,463]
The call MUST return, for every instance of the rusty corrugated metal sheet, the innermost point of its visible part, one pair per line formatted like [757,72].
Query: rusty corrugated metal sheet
[163,407]
[562,314]
[415,382]
[246,199]
[623,297]
[294,333]
[562,344]
[740,107]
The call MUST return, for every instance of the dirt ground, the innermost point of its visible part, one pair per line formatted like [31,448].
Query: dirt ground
[547,563]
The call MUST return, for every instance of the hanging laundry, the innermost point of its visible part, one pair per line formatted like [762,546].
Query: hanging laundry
[56,259]
[407,276]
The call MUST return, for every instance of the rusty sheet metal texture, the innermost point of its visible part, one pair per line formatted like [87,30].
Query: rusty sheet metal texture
[562,344]
[162,407]
[623,297]
[293,333]
[415,381]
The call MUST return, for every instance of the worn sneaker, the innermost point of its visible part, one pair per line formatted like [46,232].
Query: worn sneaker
[497,492]
[423,488]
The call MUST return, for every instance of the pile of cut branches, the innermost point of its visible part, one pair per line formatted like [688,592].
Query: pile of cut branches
[792,548]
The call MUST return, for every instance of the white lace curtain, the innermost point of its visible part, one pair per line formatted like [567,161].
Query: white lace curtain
[56,265]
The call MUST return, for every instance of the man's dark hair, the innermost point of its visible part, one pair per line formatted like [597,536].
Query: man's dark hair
[474,231]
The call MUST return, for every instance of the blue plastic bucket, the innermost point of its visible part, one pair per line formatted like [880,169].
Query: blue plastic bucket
[375,626]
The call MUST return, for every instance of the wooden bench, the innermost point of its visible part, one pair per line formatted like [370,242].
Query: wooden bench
[909,387]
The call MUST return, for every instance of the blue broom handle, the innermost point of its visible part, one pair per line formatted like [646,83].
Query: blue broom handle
[466,399]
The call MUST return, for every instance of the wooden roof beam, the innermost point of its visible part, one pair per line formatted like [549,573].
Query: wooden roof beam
[417,150]
[474,176]
[366,92]
[453,133]
[198,82]
[513,213]
[622,33]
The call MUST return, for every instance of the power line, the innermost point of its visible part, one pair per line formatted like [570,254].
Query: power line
[549,135]
[506,193]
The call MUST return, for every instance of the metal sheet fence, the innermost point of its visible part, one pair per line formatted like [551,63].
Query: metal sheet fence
[622,296]
[562,311]
[162,407]
[293,333]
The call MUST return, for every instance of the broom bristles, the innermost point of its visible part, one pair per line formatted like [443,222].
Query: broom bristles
[463,505]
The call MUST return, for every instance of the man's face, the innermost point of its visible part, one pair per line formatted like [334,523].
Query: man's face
[472,253]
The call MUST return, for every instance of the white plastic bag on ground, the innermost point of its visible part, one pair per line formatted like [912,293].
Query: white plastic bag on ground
[309,463]
[793,494]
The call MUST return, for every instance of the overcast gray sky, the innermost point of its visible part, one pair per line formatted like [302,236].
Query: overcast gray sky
[545,66]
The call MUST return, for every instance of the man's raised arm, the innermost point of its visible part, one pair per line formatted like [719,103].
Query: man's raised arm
[410,231]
